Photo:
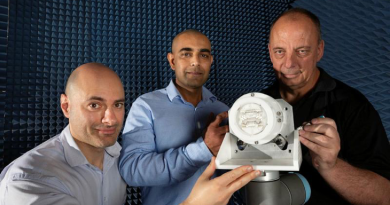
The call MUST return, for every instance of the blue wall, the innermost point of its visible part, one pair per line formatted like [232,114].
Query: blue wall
[47,39]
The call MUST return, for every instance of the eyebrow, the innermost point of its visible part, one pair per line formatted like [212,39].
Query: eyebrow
[120,100]
[306,47]
[96,98]
[190,49]
[103,100]
[205,50]
[186,49]
[300,47]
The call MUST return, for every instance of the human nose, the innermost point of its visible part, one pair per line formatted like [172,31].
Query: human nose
[109,117]
[290,60]
[195,61]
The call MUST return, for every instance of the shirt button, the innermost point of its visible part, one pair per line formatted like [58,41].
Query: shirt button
[199,125]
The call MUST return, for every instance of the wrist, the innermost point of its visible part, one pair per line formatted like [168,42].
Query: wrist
[185,202]
[330,170]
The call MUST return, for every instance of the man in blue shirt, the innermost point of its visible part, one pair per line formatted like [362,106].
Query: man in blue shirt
[79,166]
[167,142]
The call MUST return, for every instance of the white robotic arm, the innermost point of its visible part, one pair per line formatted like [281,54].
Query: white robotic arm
[262,135]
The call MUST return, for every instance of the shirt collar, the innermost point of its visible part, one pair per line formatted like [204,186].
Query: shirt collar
[73,154]
[325,82]
[173,93]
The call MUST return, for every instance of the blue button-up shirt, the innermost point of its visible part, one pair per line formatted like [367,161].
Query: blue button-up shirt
[163,149]
[57,172]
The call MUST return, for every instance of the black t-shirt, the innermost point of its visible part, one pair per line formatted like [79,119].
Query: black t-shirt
[363,139]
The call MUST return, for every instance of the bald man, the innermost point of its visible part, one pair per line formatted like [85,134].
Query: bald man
[347,159]
[167,142]
[79,166]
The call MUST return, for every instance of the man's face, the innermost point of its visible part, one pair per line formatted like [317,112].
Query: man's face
[294,51]
[96,111]
[191,60]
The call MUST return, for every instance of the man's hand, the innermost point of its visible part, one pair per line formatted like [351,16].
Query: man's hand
[214,134]
[323,141]
[219,190]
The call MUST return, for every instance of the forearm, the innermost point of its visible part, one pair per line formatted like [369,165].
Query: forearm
[184,203]
[142,167]
[356,185]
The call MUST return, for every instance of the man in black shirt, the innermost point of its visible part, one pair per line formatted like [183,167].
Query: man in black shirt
[347,163]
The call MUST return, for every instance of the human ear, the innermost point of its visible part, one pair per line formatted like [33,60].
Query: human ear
[65,105]
[269,52]
[171,60]
[320,52]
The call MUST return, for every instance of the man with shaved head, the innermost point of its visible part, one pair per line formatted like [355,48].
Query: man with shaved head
[346,158]
[168,139]
[79,166]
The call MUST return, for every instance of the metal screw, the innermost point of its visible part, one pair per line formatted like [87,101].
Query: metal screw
[278,113]
[256,142]
[241,145]
[236,151]
[279,120]
[252,94]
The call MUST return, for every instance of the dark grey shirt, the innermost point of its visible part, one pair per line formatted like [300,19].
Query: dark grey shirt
[364,143]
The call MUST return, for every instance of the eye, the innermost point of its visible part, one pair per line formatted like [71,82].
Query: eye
[204,55]
[187,54]
[303,52]
[119,105]
[278,51]
[94,105]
